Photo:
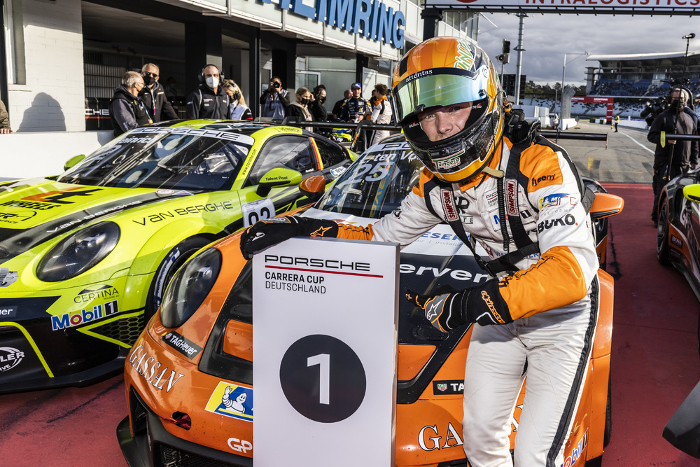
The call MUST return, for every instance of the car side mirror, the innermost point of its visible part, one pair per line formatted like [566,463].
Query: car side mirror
[692,193]
[73,161]
[277,177]
[606,205]
[313,187]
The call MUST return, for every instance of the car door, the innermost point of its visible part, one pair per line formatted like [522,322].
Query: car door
[296,152]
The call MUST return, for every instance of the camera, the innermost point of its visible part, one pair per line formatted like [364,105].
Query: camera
[652,109]
[275,84]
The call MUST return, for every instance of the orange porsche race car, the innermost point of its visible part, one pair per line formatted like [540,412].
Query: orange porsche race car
[189,376]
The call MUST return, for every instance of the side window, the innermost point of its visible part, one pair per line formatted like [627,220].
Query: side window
[330,153]
[290,152]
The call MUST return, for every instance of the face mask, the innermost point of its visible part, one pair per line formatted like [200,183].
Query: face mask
[674,105]
[305,102]
[148,80]
[212,82]
[322,100]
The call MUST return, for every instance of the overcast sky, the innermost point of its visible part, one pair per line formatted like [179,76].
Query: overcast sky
[547,37]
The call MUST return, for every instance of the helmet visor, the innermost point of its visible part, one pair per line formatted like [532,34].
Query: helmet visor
[440,87]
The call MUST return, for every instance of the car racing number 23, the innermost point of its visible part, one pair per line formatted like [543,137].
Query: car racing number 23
[257,210]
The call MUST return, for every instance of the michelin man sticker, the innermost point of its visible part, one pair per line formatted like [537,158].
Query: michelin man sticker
[257,210]
[232,401]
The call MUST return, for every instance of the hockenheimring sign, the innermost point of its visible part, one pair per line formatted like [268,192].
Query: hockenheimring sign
[598,7]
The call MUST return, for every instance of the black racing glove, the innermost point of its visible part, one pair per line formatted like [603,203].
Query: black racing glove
[266,233]
[447,309]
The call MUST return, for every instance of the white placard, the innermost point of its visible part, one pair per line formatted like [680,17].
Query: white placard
[325,353]
[257,210]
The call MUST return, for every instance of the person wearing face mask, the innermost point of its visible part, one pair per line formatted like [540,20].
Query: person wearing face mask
[126,110]
[239,110]
[274,100]
[318,98]
[153,95]
[209,100]
[675,158]
[300,108]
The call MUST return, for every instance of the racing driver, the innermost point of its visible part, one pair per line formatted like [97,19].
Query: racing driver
[520,198]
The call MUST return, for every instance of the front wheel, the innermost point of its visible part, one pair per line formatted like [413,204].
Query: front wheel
[662,233]
[172,262]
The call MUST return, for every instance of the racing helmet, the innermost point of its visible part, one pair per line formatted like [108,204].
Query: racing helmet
[445,71]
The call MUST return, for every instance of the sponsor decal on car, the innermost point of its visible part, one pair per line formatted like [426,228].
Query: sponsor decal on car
[338,171]
[8,312]
[232,401]
[677,242]
[61,196]
[557,199]
[16,217]
[10,358]
[448,387]
[577,451]
[457,274]
[182,344]
[431,443]
[196,209]
[90,294]
[150,370]
[240,445]
[9,278]
[569,219]
[29,205]
[173,193]
[76,318]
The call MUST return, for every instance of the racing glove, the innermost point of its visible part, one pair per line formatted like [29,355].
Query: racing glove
[447,309]
[269,232]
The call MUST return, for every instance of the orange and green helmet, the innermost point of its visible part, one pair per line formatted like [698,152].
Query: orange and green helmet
[445,71]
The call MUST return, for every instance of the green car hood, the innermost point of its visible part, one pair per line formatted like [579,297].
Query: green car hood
[31,214]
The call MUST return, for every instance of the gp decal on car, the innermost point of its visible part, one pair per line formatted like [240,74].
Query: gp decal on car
[232,401]
[145,366]
[577,451]
[431,443]
[240,445]
[76,318]
[196,209]
[182,344]
[10,358]
[88,295]
[557,199]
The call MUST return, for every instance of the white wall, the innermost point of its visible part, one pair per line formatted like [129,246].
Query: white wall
[28,155]
[53,97]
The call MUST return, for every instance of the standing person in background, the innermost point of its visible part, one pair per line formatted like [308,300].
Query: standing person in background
[300,108]
[382,112]
[338,107]
[239,110]
[126,110]
[274,100]
[617,121]
[153,95]
[355,108]
[4,120]
[318,98]
[209,100]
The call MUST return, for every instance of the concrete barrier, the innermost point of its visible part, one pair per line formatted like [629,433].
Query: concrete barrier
[28,155]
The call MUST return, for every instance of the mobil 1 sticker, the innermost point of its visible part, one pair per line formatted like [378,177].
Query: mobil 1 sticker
[8,312]
[257,211]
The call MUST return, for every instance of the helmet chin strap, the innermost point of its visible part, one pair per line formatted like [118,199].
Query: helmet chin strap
[493,172]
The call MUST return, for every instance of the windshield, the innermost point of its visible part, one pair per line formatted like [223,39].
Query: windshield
[376,183]
[167,158]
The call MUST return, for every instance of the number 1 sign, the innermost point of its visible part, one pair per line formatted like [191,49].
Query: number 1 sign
[324,351]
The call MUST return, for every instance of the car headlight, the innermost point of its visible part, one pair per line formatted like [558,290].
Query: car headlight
[189,287]
[79,252]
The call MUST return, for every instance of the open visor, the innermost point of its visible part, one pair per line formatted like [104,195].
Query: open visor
[439,87]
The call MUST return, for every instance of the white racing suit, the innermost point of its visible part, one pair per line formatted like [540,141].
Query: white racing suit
[553,301]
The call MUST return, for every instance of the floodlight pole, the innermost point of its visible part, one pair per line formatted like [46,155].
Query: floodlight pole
[520,50]
[561,104]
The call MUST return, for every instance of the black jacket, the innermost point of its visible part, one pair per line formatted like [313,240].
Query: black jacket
[162,107]
[318,111]
[684,152]
[268,97]
[203,103]
[295,110]
[127,111]
[352,107]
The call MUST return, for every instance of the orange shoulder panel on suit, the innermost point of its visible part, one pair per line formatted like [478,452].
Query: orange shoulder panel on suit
[556,280]
[425,176]
[540,164]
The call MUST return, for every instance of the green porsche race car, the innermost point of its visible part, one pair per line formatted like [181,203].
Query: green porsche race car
[85,256]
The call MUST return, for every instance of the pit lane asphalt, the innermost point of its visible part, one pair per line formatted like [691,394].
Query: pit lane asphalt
[655,362]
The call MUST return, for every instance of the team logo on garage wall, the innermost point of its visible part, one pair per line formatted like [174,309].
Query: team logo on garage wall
[10,358]
[232,400]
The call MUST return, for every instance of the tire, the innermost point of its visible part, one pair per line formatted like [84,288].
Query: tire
[172,262]
[662,233]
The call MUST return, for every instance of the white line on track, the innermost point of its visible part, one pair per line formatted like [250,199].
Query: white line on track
[637,142]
